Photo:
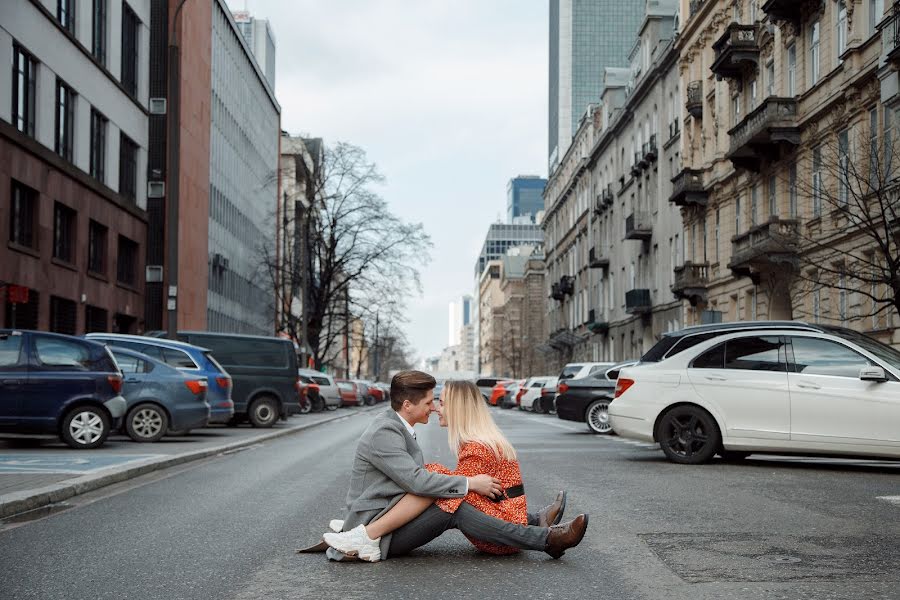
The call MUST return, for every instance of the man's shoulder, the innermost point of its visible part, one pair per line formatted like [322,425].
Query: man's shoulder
[384,421]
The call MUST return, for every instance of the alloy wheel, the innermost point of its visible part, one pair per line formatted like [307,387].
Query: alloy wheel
[598,417]
[688,435]
[147,423]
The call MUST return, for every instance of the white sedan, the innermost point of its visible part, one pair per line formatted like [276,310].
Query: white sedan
[835,392]
[534,390]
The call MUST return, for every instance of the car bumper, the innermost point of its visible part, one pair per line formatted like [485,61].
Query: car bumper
[569,410]
[221,414]
[116,407]
[631,426]
[190,418]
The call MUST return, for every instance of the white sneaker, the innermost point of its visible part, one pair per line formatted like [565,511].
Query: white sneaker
[336,525]
[355,543]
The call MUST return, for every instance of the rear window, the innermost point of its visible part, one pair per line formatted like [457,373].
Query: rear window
[486,382]
[656,353]
[62,354]
[321,380]
[345,386]
[178,359]
[245,352]
[10,349]
[214,362]
[570,371]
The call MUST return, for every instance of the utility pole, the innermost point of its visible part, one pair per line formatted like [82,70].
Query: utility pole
[375,349]
[173,158]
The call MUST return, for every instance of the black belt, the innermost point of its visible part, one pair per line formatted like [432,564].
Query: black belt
[510,492]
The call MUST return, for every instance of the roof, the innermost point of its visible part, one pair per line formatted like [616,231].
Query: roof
[143,339]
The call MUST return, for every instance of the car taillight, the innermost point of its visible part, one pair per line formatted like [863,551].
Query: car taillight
[115,382]
[197,386]
[622,386]
[519,394]
[224,382]
[563,388]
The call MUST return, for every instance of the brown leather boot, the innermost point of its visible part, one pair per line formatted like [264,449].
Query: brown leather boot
[552,514]
[565,536]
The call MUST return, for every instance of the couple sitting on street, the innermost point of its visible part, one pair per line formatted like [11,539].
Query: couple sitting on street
[396,503]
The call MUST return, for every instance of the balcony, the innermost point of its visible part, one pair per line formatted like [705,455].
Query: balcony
[784,10]
[765,132]
[563,339]
[637,302]
[890,36]
[765,247]
[555,293]
[694,102]
[636,166]
[690,282]
[607,196]
[651,152]
[595,326]
[688,190]
[736,51]
[598,259]
[638,226]
[567,285]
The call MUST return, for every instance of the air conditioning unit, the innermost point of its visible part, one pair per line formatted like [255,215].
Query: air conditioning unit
[157,106]
[156,189]
[154,274]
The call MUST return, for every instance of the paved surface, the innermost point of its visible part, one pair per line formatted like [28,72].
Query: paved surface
[226,528]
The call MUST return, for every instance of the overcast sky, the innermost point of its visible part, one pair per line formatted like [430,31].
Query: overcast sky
[447,97]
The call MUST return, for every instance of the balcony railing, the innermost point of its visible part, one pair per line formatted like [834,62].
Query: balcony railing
[771,125]
[608,197]
[890,36]
[694,103]
[688,190]
[690,282]
[637,302]
[597,259]
[771,244]
[567,285]
[650,150]
[784,10]
[601,327]
[555,293]
[736,51]
[638,226]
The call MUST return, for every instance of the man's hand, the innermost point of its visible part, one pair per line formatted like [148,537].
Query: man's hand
[486,486]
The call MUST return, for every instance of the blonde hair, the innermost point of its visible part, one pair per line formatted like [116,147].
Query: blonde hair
[468,420]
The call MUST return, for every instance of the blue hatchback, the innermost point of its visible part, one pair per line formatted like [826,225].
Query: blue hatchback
[190,359]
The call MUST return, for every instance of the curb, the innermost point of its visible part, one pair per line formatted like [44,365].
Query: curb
[19,502]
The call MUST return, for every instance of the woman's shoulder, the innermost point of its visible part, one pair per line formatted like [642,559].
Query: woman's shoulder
[475,448]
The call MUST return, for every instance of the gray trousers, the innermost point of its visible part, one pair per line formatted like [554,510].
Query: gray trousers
[473,523]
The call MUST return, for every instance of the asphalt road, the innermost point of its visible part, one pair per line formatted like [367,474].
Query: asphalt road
[227,527]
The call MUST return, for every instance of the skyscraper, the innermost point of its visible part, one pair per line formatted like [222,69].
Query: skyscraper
[585,37]
[524,197]
[259,37]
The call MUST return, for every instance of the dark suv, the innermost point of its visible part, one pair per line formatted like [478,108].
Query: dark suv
[58,384]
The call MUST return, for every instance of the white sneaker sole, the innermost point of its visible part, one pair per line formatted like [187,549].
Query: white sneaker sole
[349,550]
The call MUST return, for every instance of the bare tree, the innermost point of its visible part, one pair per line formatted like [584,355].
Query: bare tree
[848,185]
[362,259]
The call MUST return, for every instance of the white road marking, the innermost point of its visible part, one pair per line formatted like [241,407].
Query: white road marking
[895,500]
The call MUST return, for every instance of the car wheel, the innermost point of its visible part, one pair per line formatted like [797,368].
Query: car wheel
[370,401]
[263,412]
[331,406]
[733,455]
[146,423]
[597,417]
[85,427]
[306,407]
[688,435]
[537,406]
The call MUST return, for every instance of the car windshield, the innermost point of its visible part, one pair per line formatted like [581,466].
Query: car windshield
[881,351]
[570,371]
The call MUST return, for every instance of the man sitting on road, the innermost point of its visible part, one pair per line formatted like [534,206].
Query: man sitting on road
[389,464]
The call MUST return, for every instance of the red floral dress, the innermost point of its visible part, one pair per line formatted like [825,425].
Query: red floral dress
[476,459]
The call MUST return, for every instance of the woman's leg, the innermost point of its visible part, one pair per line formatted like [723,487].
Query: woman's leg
[408,508]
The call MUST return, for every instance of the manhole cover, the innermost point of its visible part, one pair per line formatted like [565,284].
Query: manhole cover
[778,558]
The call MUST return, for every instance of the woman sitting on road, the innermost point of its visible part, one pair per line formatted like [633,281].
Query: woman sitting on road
[481,448]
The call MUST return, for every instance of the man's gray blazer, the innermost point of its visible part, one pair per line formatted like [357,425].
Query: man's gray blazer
[387,465]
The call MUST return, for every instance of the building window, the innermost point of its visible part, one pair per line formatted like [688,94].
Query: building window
[817,183]
[130,31]
[65,14]
[63,233]
[844,166]
[754,96]
[792,71]
[873,148]
[842,298]
[773,196]
[754,205]
[718,223]
[127,167]
[98,146]
[126,271]
[96,319]
[876,12]
[814,53]
[62,315]
[792,181]
[737,215]
[736,108]
[770,78]
[841,28]
[24,69]
[23,215]
[65,119]
[97,234]
[98,41]
[887,168]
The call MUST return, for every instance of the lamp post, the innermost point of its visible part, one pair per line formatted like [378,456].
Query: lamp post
[173,157]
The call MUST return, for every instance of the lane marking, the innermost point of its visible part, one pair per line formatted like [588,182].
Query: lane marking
[895,500]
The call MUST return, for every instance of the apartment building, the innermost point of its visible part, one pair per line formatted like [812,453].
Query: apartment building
[73,160]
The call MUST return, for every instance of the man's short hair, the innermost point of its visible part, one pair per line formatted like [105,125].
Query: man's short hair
[410,385]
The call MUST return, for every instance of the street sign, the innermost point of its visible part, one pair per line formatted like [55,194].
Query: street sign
[17,294]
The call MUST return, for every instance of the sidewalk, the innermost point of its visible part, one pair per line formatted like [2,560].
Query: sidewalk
[35,473]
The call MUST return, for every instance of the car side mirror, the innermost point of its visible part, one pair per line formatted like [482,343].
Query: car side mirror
[872,374]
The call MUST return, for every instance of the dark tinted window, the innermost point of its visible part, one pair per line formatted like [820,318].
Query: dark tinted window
[713,358]
[570,371]
[689,341]
[656,353]
[824,357]
[62,354]
[245,352]
[321,380]
[755,354]
[129,364]
[10,350]
[486,382]
[178,359]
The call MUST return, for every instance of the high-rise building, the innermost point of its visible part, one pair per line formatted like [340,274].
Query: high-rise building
[503,236]
[585,37]
[524,197]
[460,316]
[258,35]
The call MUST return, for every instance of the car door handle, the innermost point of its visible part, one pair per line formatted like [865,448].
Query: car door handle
[715,378]
[809,386]
[132,380]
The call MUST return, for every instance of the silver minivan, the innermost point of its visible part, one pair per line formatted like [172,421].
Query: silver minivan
[328,389]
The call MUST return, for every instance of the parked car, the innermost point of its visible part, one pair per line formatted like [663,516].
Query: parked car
[586,400]
[498,391]
[327,387]
[350,395]
[187,358]
[512,393]
[160,397]
[486,386]
[385,389]
[263,370]
[536,389]
[60,385]
[832,392]
[581,370]
[365,394]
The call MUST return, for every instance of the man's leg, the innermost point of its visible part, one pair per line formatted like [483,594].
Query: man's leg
[474,523]
[421,530]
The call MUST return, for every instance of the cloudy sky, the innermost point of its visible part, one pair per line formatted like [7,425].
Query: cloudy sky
[448,97]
